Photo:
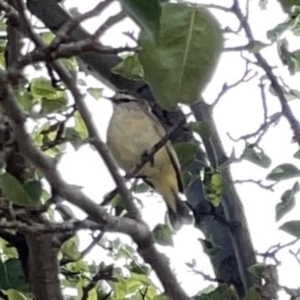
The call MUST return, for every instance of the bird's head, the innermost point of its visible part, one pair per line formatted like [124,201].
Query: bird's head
[125,100]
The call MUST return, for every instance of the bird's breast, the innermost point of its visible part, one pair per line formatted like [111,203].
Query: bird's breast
[129,136]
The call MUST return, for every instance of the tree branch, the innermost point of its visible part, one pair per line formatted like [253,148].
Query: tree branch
[286,110]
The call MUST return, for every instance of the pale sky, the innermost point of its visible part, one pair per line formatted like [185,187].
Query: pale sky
[239,112]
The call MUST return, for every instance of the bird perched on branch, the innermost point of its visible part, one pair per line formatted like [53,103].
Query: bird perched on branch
[132,132]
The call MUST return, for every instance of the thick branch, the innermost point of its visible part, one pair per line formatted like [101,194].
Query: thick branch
[231,204]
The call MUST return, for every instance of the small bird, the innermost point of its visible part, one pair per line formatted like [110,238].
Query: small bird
[132,132]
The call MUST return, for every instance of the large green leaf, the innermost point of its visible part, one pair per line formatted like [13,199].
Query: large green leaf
[182,62]
[145,13]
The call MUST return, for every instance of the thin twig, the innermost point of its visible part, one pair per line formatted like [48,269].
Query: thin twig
[273,250]
[286,110]
[108,24]
[257,182]
[65,31]
[226,87]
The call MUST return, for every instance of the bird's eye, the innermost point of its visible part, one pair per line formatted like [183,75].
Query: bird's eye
[125,100]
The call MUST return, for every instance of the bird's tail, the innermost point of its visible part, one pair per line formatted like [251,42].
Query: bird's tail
[182,215]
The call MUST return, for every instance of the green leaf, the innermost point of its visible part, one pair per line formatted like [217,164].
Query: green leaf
[34,190]
[253,294]
[73,137]
[145,13]
[96,93]
[80,126]
[276,32]
[257,158]
[129,67]
[208,247]
[14,191]
[297,154]
[141,188]
[161,297]
[53,105]
[11,275]
[47,37]
[52,99]
[257,269]
[287,4]
[15,295]
[77,266]
[8,250]
[163,235]
[42,88]
[263,4]
[256,46]
[202,128]
[70,63]
[188,177]
[206,290]
[118,204]
[82,82]
[134,267]
[291,227]
[287,201]
[26,99]
[275,118]
[135,281]
[119,288]
[70,248]
[221,292]
[213,183]
[295,56]
[185,56]
[283,172]
[185,152]
[92,294]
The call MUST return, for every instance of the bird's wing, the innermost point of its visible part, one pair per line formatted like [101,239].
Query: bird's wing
[171,152]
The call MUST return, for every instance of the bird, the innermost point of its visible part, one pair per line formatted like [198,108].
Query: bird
[132,132]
